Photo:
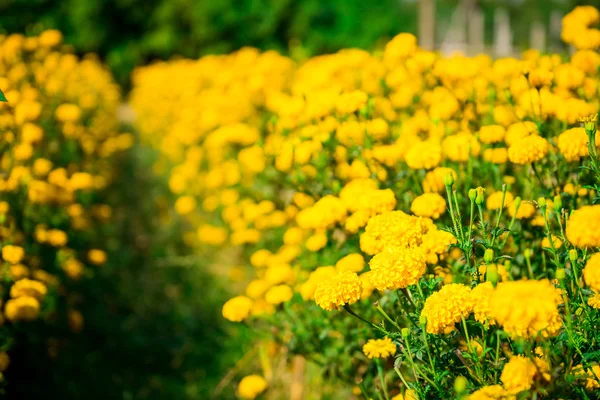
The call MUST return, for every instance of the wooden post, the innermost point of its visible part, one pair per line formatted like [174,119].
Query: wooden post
[476,31]
[537,36]
[427,24]
[502,33]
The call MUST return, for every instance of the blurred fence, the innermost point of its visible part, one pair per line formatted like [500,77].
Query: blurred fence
[465,30]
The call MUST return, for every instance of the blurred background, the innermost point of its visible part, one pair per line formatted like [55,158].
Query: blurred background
[126,33]
[153,326]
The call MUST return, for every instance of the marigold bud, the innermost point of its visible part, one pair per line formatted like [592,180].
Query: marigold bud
[480,199]
[423,320]
[460,384]
[557,203]
[491,274]
[488,256]
[517,203]
[472,194]
[573,255]
[527,253]
[542,202]
[449,179]
[561,274]
[405,332]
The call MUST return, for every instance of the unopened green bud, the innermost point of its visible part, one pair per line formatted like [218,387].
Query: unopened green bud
[527,253]
[557,203]
[472,194]
[460,384]
[405,332]
[449,179]
[480,199]
[573,256]
[578,311]
[2,218]
[488,256]
[542,202]
[561,274]
[517,202]
[491,274]
[423,320]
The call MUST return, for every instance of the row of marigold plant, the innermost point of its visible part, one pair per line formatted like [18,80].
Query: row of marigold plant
[419,226]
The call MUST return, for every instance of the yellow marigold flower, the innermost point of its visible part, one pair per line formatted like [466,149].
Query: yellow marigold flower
[393,228]
[430,205]
[279,294]
[212,235]
[379,348]
[56,237]
[22,308]
[555,241]
[527,308]
[237,309]
[73,268]
[260,257]
[324,214]
[408,395]
[481,295]
[18,271]
[308,288]
[401,46]
[527,150]
[461,146]
[354,262]
[338,290]
[447,307]
[492,392]
[279,273]
[13,254]
[520,373]
[526,209]
[436,243]
[573,144]
[257,288]
[350,102]
[591,272]
[594,301]
[498,155]
[519,130]
[494,200]
[397,267]
[424,155]
[97,256]
[50,38]
[251,386]
[293,236]
[68,113]
[316,242]
[582,227]
[28,287]
[185,205]
[491,134]
[434,180]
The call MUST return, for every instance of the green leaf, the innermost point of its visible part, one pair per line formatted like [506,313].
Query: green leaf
[3,97]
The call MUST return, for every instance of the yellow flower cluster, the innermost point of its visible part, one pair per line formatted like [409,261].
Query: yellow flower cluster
[60,135]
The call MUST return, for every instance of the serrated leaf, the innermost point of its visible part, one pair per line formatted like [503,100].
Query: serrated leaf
[3,97]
